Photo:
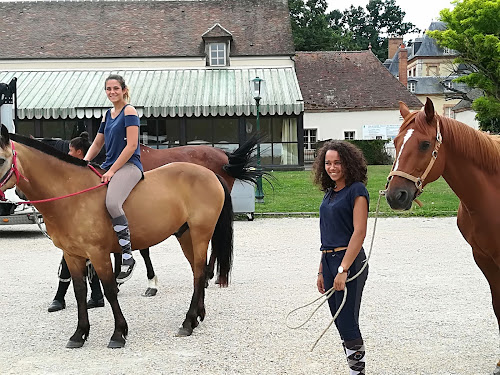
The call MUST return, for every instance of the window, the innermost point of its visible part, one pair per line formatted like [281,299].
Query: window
[446,50]
[349,135]
[411,86]
[448,112]
[160,132]
[448,84]
[217,53]
[310,139]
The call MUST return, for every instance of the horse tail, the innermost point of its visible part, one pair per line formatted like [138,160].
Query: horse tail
[240,162]
[222,239]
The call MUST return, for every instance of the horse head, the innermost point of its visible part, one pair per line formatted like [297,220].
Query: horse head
[9,164]
[416,163]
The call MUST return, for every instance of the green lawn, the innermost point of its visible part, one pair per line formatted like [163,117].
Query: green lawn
[294,192]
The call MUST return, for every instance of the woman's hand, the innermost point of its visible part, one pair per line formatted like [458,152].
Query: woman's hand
[106,177]
[320,283]
[339,282]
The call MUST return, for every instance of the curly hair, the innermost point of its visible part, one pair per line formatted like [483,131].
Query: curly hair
[353,164]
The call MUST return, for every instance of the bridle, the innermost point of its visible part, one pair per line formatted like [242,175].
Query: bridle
[419,181]
[13,170]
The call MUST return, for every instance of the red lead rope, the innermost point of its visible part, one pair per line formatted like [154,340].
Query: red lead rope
[16,172]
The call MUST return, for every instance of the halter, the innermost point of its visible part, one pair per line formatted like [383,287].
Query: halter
[13,170]
[419,181]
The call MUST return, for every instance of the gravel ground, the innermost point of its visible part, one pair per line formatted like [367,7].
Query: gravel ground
[426,308]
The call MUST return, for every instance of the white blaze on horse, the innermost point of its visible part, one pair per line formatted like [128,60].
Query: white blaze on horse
[429,146]
[180,198]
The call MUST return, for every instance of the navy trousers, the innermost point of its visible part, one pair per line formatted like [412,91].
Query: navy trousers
[348,320]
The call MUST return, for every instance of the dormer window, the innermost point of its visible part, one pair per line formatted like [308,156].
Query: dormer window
[411,86]
[217,53]
[217,46]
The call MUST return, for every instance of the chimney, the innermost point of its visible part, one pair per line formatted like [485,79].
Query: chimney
[394,43]
[403,65]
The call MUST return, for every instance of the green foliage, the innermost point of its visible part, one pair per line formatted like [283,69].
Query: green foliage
[355,28]
[474,31]
[294,192]
[374,151]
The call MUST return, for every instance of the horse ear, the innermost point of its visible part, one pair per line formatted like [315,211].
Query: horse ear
[429,110]
[4,136]
[403,109]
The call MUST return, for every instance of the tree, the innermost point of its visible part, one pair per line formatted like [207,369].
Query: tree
[381,19]
[353,29]
[310,28]
[473,30]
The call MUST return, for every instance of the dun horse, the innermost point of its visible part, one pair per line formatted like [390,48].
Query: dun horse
[230,166]
[429,146]
[180,198]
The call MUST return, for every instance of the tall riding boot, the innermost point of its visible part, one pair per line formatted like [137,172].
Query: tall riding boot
[355,353]
[120,225]
[59,303]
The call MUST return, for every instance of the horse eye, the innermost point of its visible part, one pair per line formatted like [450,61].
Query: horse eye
[2,161]
[424,146]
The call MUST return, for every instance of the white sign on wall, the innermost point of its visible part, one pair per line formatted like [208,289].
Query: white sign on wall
[380,131]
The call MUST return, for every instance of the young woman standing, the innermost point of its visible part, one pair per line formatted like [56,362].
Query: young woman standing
[340,171]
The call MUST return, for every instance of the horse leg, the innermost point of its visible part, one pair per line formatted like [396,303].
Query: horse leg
[77,269]
[197,259]
[104,270]
[152,279]
[492,273]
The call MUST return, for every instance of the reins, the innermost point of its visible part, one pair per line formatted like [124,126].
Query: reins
[332,290]
[14,170]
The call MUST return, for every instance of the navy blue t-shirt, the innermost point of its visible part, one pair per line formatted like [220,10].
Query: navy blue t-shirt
[336,215]
[115,138]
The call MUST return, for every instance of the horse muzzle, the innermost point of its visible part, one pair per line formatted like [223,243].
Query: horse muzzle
[401,197]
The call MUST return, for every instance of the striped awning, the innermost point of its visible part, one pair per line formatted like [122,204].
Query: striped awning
[156,93]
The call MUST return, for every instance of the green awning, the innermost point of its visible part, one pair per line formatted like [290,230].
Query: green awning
[156,93]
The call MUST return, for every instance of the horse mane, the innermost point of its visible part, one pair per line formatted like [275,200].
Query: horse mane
[47,149]
[481,148]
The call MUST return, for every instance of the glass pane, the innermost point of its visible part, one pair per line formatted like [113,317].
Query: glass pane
[265,154]
[25,127]
[148,133]
[265,127]
[285,129]
[53,129]
[285,154]
[228,147]
[199,131]
[170,128]
[226,130]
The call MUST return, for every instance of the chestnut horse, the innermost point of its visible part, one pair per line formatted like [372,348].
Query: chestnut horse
[230,166]
[184,199]
[429,146]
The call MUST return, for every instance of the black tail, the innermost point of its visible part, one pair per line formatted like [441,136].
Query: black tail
[240,162]
[222,239]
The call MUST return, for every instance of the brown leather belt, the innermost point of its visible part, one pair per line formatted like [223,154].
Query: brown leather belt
[334,250]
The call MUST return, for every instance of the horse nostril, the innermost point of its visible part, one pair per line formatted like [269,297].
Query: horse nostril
[401,196]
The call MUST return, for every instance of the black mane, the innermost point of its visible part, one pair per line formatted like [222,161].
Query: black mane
[46,149]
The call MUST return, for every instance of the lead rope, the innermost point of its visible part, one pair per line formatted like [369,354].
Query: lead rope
[331,291]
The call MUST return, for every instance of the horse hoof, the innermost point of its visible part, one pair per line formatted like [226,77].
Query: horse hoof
[74,344]
[150,292]
[184,332]
[115,344]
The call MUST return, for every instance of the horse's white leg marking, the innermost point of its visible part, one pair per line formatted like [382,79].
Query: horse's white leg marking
[405,139]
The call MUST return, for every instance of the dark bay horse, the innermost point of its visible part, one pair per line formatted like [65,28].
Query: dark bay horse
[230,166]
[429,146]
[184,199]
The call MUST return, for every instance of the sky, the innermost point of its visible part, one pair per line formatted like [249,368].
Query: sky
[419,12]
